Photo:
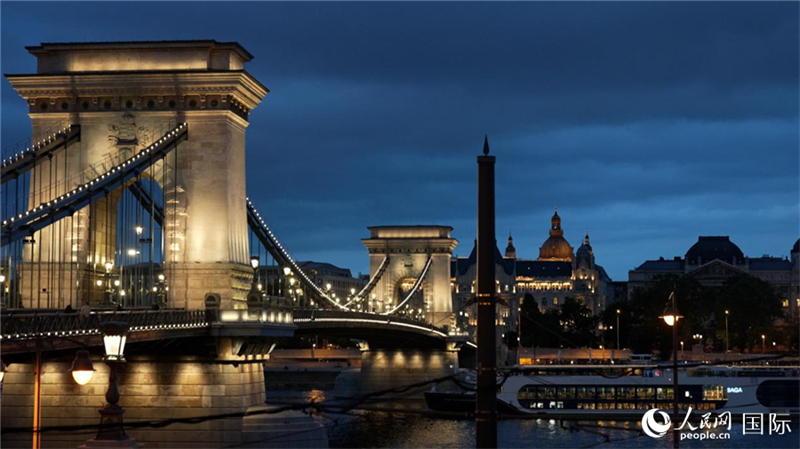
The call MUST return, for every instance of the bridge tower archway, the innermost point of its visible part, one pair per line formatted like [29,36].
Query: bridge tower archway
[416,255]
[124,96]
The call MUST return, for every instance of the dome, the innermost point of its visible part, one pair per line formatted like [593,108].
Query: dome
[796,247]
[556,246]
[709,248]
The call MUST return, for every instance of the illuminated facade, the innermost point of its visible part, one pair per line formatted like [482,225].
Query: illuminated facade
[713,259]
[558,273]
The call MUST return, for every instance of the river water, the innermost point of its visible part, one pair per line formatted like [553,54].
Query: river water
[368,429]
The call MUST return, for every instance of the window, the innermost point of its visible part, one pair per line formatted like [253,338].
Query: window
[555,301]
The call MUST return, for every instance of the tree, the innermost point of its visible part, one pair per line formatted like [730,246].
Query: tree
[570,325]
[754,306]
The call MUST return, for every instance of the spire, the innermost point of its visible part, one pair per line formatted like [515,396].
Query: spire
[586,239]
[486,145]
[555,223]
[511,252]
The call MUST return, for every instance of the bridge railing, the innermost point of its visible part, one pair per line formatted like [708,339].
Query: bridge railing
[26,325]
[272,315]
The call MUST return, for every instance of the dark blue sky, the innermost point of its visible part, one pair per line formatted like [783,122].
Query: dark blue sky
[648,123]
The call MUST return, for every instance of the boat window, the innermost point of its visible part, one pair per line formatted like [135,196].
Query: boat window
[714,393]
[626,393]
[664,393]
[550,393]
[585,392]
[566,392]
[779,393]
[645,393]
[605,393]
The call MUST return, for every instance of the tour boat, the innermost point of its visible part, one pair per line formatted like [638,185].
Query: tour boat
[627,391]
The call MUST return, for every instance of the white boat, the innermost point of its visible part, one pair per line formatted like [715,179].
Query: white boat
[627,391]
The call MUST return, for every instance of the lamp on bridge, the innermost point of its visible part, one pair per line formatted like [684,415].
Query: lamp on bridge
[115,334]
[82,368]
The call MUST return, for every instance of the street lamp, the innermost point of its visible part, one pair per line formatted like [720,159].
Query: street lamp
[82,368]
[671,317]
[618,312]
[726,331]
[114,336]
[763,342]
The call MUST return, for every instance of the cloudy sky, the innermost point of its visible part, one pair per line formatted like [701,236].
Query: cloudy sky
[647,123]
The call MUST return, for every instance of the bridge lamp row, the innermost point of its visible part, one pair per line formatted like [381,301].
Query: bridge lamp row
[35,147]
[95,180]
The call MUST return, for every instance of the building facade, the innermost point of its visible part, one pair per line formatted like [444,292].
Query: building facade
[713,259]
[557,273]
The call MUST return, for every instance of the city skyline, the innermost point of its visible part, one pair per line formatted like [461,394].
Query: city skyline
[646,150]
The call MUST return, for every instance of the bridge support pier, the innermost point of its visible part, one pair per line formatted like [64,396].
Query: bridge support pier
[383,369]
[154,389]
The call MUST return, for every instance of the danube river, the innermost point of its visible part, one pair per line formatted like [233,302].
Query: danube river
[368,429]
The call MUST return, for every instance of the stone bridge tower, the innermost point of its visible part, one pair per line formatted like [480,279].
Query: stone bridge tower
[126,94]
[408,249]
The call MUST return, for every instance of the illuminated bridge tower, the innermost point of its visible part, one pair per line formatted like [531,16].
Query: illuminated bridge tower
[124,96]
[416,277]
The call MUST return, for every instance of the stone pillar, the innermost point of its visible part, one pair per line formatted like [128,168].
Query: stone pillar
[125,96]
[383,369]
[409,248]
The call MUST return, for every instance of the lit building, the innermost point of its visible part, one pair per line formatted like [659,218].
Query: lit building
[558,273]
[713,259]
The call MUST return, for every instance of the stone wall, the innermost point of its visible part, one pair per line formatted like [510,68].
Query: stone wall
[385,369]
[149,391]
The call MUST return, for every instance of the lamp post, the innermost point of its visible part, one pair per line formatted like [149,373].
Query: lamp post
[726,331]
[618,347]
[671,317]
[763,344]
[111,426]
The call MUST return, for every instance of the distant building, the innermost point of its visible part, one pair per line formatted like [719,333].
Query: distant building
[713,259]
[341,281]
[556,274]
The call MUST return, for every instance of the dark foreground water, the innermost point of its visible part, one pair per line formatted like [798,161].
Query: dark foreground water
[368,429]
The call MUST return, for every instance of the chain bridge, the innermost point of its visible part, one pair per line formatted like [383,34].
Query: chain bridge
[128,204]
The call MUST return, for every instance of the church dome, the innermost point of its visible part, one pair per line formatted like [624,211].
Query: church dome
[796,247]
[556,246]
[709,248]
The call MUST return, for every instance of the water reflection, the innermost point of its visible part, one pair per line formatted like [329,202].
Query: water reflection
[368,429]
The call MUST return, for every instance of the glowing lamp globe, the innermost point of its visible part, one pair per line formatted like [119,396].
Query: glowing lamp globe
[287,271]
[254,262]
[114,336]
[82,368]
[671,316]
